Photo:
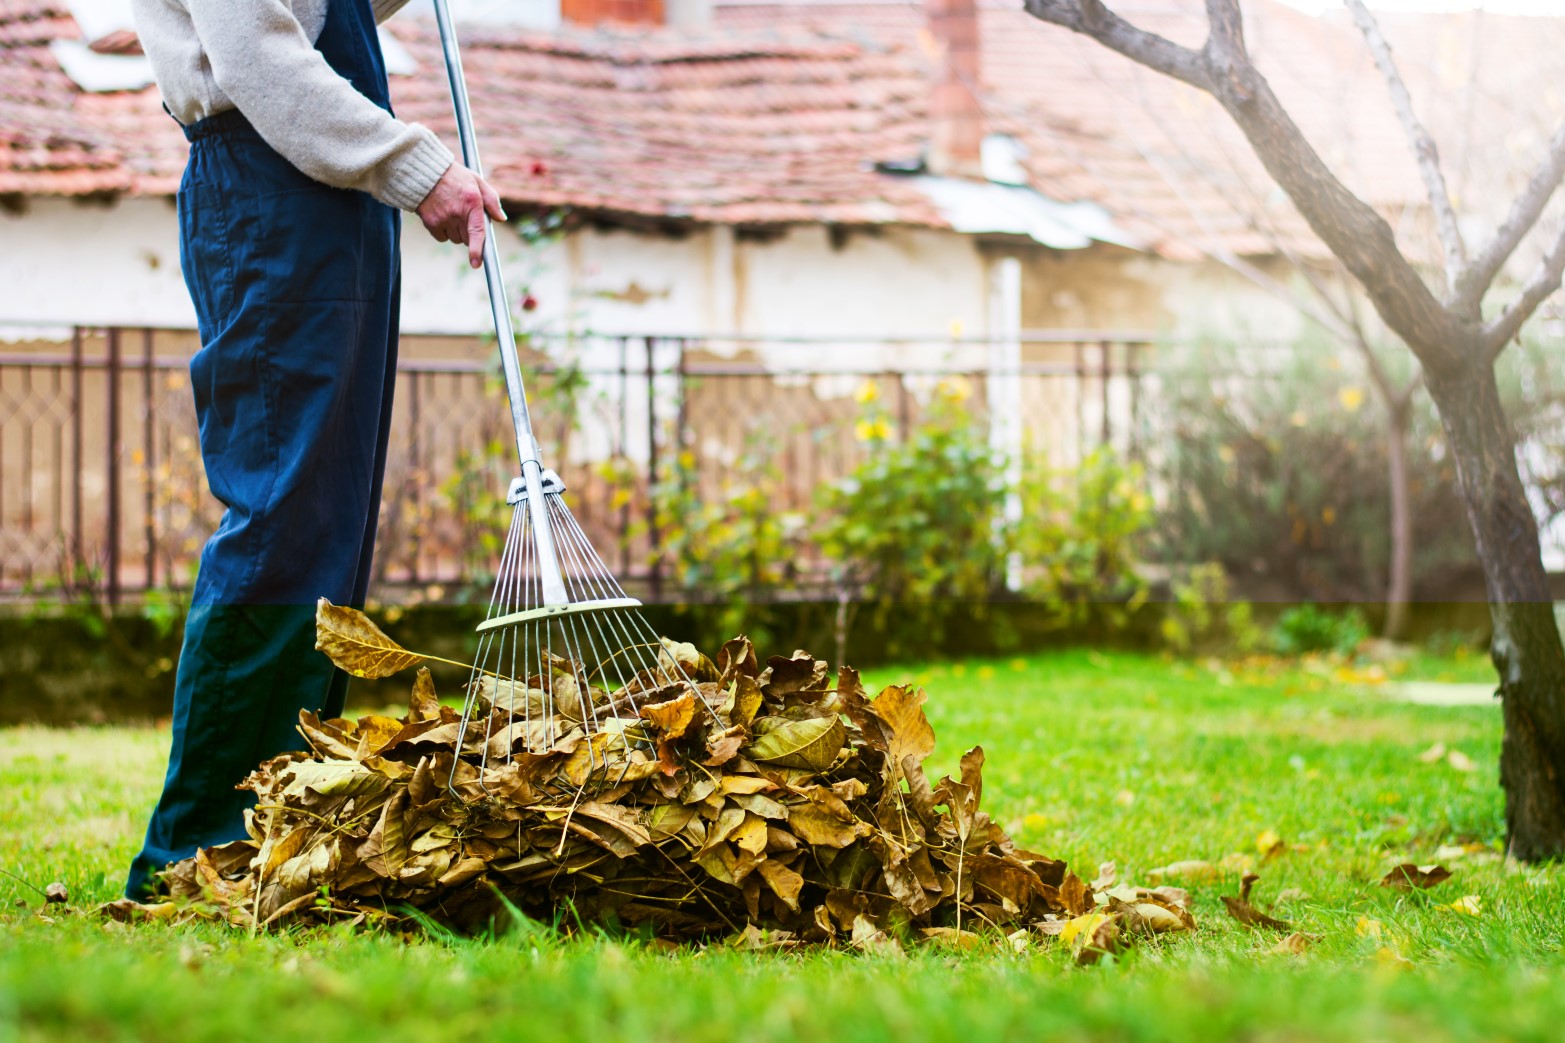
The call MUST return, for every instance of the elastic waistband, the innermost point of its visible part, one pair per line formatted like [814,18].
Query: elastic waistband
[228,121]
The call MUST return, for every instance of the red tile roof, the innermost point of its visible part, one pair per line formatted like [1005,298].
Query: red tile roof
[777,113]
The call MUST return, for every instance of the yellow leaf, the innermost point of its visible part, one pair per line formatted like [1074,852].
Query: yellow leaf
[1268,843]
[812,743]
[1470,905]
[357,645]
[1392,959]
[1081,926]
[1367,928]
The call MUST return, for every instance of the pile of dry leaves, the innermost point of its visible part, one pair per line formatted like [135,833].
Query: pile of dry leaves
[792,806]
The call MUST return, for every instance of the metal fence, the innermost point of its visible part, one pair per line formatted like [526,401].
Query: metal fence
[102,493]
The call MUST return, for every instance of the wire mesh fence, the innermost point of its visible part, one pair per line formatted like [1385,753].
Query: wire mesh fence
[103,495]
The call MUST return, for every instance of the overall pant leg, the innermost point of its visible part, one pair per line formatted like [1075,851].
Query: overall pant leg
[296,291]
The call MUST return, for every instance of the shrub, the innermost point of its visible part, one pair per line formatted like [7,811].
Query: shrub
[1310,628]
[1081,537]
[920,520]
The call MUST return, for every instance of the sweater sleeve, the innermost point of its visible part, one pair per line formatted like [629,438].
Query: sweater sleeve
[262,60]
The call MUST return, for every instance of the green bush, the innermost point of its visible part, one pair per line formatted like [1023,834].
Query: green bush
[920,520]
[1273,462]
[1202,618]
[733,549]
[1081,537]
[1310,628]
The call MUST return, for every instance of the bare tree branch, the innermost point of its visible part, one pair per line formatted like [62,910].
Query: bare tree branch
[1525,211]
[1349,227]
[1423,146]
[1091,18]
[1545,280]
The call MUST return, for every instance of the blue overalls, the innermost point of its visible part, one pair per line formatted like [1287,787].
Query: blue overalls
[296,289]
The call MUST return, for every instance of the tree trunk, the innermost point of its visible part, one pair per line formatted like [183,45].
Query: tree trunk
[1399,589]
[1526,645]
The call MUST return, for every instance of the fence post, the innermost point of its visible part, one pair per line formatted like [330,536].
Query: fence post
[149,463]
[1133,376]
[1106,363]
[655,574]
[76,554]
[112,381]
[416,469]
[622,452]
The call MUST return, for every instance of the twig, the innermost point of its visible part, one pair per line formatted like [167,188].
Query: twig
[1423,146]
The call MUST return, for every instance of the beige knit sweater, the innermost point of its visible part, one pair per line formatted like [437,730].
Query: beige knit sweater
[259,56]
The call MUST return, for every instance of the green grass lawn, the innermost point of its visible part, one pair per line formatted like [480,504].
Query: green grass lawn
[1092,756]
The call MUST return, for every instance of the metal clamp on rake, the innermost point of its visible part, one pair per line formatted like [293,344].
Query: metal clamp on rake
[562,647]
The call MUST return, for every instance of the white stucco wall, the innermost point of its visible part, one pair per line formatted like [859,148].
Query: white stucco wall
[65,263]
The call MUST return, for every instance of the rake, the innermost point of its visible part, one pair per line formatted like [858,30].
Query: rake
[562,647]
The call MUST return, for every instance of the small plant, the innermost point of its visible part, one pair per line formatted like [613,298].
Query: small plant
[1081,537]
[1202,618]
[733,549]
[1310,628]
[920,520]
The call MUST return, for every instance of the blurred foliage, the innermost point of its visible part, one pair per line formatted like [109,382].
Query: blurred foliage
[921,519]
[1311,628]
[1275,466]
[1081,537]
[733,548]
[1201,617]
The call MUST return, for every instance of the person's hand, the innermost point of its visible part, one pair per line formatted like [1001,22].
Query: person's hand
[454,210]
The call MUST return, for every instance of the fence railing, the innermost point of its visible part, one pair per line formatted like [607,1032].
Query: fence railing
[102,491]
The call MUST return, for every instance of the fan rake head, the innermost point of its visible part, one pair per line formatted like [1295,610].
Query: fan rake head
[563,649]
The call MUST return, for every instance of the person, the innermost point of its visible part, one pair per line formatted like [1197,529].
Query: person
[289,226]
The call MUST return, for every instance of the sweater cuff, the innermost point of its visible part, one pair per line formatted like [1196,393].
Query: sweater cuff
[416,171]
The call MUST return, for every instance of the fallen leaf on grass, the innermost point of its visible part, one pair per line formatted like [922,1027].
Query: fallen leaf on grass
[1407,876]
[125,910]
[1391,959]
[1460,761]
[1433,754]
[1241,909]
[1468,905]
[56,893]
[1269,844]
[1192,870]
[1091,936]
[1367,928]
[1295,944]
[762,813]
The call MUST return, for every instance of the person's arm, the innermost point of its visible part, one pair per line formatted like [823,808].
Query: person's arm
[320,123]
[312,116]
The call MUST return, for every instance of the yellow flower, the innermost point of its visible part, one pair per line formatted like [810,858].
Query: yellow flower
[868,392]
[954,389]
[1350,399]
[876,430]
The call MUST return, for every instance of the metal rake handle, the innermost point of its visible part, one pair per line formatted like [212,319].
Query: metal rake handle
[551,581]
[499,306]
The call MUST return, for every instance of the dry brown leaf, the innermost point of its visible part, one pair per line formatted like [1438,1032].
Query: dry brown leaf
[1407,876]
[1193,870]
[357,645]
[1295,944]
[1241,909]
[423,704]
[812,744]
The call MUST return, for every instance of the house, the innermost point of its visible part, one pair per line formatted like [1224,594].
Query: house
[829,188]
